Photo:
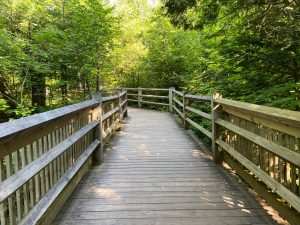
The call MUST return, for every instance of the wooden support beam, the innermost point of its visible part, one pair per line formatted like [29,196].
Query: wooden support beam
[171,99]
[215,109]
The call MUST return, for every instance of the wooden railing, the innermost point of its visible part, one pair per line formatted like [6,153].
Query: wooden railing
[43,157]
[264,140]
[149,96]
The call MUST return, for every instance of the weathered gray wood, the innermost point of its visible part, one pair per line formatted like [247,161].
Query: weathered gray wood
[155,96]
[97,116]
[154,89]
[199,113]
[109,114]
[288,213]
[41,207]
[139,97]
[178,102]
[154,103]
[158,176]
[171,99]
[178,92]
[215,130]
[132,100]
[289,196]
[277,149]
[185,102]
[178,111]
[197,126]
[10,185]
[282,116]
[198,97]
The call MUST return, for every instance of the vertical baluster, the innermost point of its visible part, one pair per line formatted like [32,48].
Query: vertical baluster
[19,202]
[47,174]
[42,172]
[58,159]
[65,136]
[26,199]
[51,175]
[53,141]
[31,181]
[3,205]
[36,177]
[11,200]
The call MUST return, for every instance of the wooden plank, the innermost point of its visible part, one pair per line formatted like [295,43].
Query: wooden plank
[132,100]
[9,186]
[109,98]
[290,197]
[26,137]
[277,149]
[199,113]
[41,207]
[197,126]
[178,111]
[171,99]
[140,92]
[153,170]
[155,96]
[280,116]
[19,197]
[110,113]
[11,200]
[155,89]
[16,126]
[215,129]
[288,213]
[178,102]
[177,92]
[155,103]
[3,205]
[123,103]
[199,97]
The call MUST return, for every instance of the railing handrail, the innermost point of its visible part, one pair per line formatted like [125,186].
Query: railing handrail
[237,127]
[41,154]
[19,125]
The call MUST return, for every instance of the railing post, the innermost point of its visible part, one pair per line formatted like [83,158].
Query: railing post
[171,99]
[139,97]
[125,105]
[215,111]
[97,115]
[119,104]
[185,113]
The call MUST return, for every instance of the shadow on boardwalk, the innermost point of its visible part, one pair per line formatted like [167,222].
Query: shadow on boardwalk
[154,173]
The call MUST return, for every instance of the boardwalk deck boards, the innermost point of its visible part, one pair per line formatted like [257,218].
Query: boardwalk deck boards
[154,173]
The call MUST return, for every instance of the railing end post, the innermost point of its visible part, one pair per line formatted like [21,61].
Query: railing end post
[98,156]
[215,112]
[185,103]
[171,99]
[126,104]
[139,97]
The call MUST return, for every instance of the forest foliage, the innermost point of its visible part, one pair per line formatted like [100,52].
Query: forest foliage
[55,52]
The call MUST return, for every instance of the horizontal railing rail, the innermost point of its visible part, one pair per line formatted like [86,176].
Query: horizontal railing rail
[43,157]
[264,140]
[149,96]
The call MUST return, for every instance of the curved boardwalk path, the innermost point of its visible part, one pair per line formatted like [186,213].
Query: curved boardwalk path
[155,174]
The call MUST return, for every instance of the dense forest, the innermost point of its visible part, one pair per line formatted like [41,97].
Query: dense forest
[56,52]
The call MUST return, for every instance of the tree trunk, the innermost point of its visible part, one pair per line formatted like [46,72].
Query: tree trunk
[38,90]
[64,86]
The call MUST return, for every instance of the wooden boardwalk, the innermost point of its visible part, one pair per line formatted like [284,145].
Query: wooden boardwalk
[155,174]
